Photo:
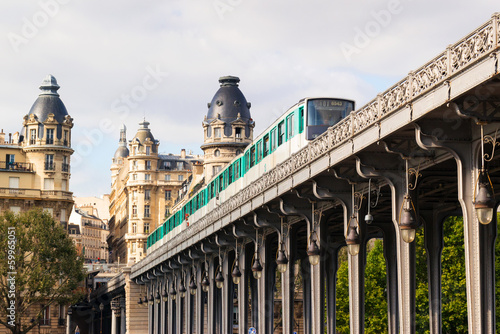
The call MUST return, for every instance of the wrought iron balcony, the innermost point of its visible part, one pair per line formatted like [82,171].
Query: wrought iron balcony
[65,168]
[50,166]
[16,166]
[44,322]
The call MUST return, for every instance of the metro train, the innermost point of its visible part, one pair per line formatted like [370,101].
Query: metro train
[301,123]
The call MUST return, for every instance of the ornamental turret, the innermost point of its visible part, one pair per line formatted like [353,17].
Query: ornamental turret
[228,126]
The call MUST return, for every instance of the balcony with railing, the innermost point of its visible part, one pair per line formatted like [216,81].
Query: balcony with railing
[35,193]
[65,168]
[16,166]
[50,166]
[44,322]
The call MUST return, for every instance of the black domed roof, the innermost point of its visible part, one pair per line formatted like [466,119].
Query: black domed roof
[49,102]
[229,102]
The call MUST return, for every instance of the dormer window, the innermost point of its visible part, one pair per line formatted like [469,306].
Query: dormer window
[217,133]
[32,136]
[237,132]
[49,140]
[66,138]
[148,150]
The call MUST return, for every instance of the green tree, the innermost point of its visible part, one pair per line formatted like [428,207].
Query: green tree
[342,309]
[39,266]
[454,298]
[453,282]
[376,320]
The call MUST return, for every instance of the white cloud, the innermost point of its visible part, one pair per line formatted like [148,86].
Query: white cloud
[281,50]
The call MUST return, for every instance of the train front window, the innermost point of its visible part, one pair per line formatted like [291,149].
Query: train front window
[327,112]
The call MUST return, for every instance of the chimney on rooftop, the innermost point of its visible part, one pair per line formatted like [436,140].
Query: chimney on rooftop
[183,154]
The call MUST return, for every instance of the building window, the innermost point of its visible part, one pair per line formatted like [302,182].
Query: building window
[147,177]
[180,177]
[146,211]
[216,169]
[166,164]
[48,184]
[9,161]
[134,165]
[237,132]
[66,138]
[147,195]
[238,152]
[217,132]
[134,210]
[167,211]
[134,245]
[49,162]
[65,164]
[50,137]
[216,153]
[148,165]
[134,228]
[32,136]
[13,182]
[146,228]
[180,165]
[168,194]
[45,320]
[63,215]
[134,177]
[134,194]
[15,209]
[64,185]
[148,150]
[167,177]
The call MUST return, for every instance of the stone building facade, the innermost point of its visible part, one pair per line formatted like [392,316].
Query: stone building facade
[35,170]
[144,188]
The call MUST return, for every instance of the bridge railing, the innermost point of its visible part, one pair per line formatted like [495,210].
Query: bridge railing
[457,57]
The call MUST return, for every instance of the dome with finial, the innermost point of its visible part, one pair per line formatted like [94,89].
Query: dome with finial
[49,102]
[143,133]
[122,150]
[229,104]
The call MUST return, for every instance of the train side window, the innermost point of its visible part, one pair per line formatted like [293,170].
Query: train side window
[247,161]
[273,139]
[252,157]
[266,146]
[290,125]
[301,119]
[230,175]
[258,153]
[237,169]
[281,132]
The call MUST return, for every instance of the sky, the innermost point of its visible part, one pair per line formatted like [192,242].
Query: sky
[120,61]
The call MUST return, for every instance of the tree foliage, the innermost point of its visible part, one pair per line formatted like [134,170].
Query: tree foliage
[41,261]
[454,298]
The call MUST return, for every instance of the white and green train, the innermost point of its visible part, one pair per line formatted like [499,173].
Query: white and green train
[304,121]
